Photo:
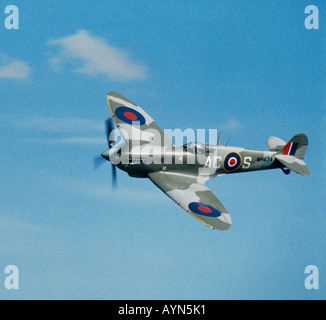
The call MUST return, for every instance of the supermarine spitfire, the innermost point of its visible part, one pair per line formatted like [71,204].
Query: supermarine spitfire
[181,171]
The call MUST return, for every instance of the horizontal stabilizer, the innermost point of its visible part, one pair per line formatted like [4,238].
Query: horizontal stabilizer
[294,164]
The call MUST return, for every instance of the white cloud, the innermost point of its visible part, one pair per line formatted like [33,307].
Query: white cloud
[94,56]
[14,69]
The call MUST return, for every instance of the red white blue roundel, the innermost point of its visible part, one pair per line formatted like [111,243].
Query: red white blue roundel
[204,209]
[129,115]
[232,161]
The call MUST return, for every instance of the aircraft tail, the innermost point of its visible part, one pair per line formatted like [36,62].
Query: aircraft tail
[296,147]
[293,153]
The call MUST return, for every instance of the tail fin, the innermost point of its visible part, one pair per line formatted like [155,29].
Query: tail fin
[296,147]
[293,153]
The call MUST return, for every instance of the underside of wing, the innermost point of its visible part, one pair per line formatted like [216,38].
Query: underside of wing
[134,123]
[193,196]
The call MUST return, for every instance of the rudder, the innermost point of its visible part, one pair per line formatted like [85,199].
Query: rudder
[296,147]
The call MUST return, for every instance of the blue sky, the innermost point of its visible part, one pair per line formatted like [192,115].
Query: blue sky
[249,68]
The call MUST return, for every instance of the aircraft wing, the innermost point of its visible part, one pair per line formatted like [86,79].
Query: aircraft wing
[134,123]
[191,194]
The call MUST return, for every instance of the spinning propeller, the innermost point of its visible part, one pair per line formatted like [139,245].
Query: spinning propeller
[99,160]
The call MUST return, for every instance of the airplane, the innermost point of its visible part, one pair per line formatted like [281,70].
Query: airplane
[180,172]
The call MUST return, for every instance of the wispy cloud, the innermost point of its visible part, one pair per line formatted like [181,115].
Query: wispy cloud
[67,141]
[94,56]
[21,237]
[59,131]
[14,69]
[102,190]
[231,125]
[61,125]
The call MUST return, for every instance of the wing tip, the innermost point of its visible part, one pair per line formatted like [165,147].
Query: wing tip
[112,93]
[221,224]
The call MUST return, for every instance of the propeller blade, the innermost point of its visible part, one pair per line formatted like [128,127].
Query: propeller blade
[98,161]
[107,131]
[114,177]
[109,127]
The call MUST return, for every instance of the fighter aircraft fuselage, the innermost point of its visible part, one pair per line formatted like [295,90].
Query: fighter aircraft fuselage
[199,159]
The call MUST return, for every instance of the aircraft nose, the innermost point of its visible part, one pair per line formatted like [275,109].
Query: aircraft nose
[106,155]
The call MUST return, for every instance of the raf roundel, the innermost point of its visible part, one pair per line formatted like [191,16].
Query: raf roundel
[232,161]
[204,209]
[129,115]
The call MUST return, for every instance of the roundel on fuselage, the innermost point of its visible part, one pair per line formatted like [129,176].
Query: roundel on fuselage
[232,161]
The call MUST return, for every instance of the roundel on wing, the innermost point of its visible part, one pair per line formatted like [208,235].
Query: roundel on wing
[204,209]
[232,161]
[129,115]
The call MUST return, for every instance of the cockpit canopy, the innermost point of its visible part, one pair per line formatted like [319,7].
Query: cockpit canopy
[194,148]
